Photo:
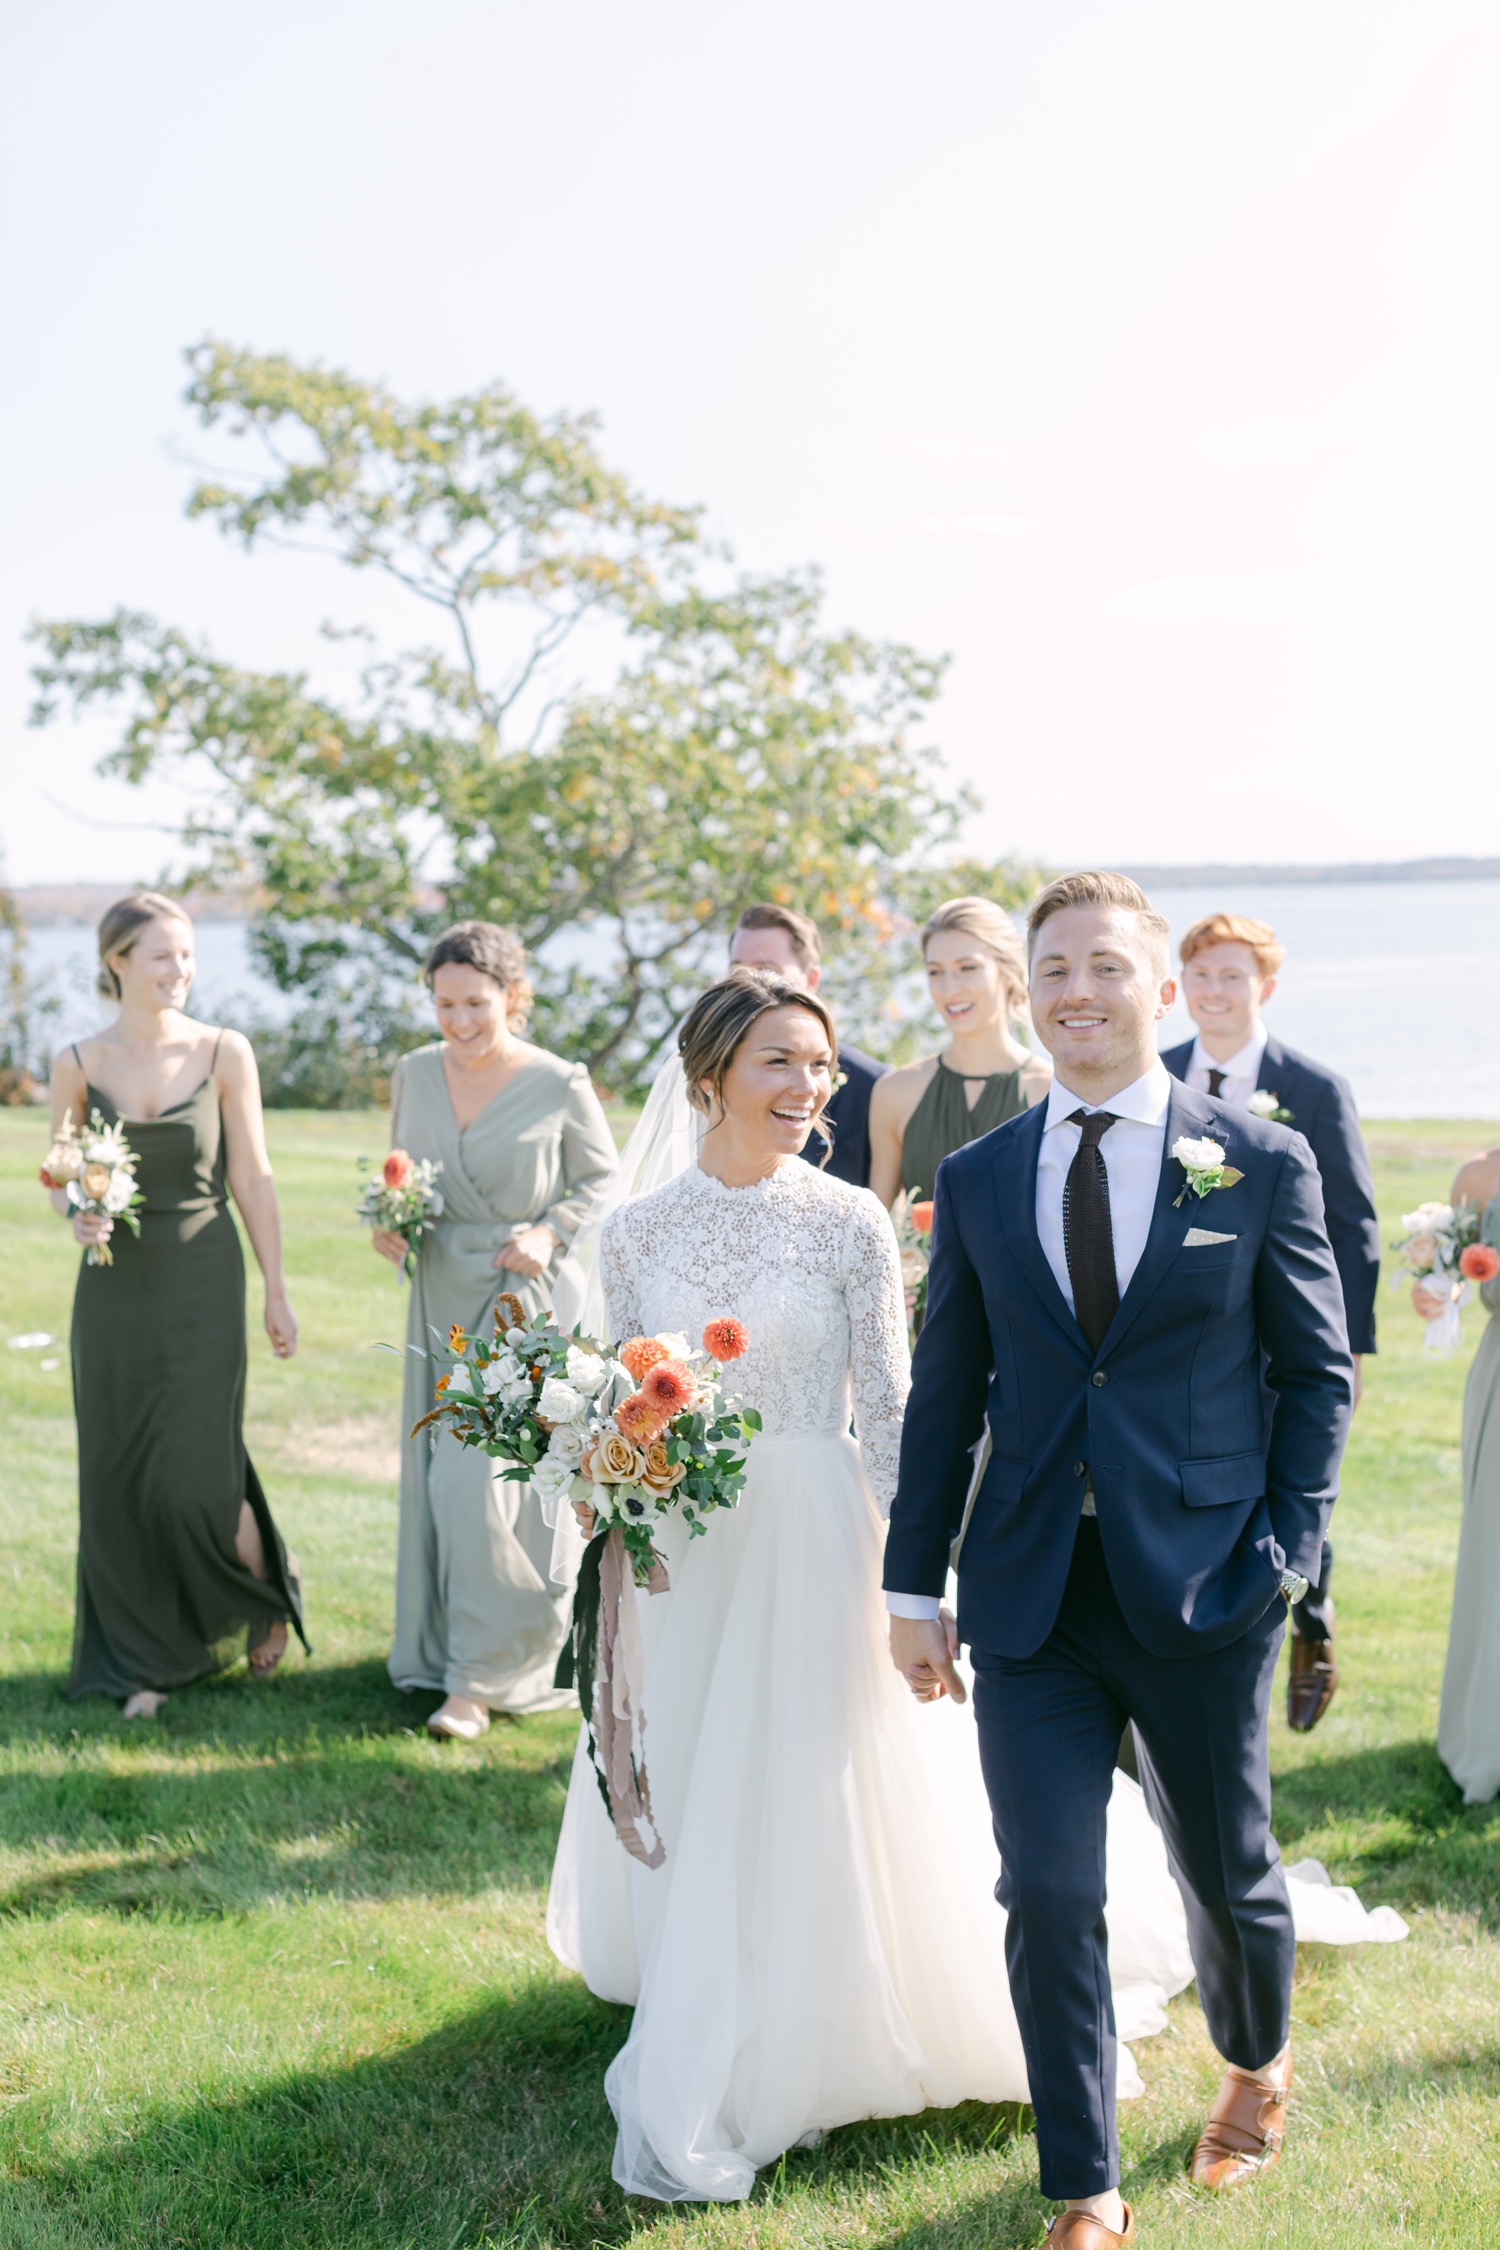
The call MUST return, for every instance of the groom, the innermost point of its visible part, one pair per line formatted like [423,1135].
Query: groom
[1135,1541]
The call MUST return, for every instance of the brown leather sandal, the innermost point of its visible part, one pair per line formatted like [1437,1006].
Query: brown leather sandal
[1244,2132]
[1080,2230]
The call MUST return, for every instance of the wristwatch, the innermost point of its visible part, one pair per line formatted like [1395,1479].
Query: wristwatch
[1294,1588]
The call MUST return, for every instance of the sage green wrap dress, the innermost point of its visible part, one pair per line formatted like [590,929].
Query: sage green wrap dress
[477,1613]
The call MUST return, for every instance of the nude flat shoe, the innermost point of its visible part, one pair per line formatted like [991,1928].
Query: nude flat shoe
[447,1724]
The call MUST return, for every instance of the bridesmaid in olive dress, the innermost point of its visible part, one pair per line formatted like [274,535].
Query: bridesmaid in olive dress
[180,1566]
[1469,1716]
[976,972]
[523,1145]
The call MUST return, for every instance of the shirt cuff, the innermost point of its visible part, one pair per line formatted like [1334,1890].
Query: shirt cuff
[924,1606]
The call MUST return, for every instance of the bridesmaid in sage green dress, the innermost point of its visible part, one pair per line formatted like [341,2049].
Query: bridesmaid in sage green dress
[524,1146]
[976,972]
[1469,1716]
[180,1567]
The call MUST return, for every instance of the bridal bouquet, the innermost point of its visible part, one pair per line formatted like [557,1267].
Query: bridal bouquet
[1442,1249]
[96,1168]
[403,1199]
[632,1434]
[912,1221]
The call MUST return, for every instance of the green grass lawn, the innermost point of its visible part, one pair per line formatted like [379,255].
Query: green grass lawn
[272,1971]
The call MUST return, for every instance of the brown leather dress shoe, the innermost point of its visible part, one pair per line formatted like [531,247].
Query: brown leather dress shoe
[1310,1682]
[1079,2230]
[1244,2131]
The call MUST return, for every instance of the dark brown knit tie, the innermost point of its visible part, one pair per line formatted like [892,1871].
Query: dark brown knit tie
[1088,1237]
[1216,1080]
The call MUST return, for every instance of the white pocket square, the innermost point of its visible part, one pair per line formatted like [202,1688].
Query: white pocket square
[1199,1238]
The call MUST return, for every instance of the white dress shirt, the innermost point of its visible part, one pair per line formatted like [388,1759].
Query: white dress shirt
[1132,1164]
[1241,1072]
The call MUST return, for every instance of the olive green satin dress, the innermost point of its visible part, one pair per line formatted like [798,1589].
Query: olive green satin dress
[159,1391]
[943,1121]
[477,1613]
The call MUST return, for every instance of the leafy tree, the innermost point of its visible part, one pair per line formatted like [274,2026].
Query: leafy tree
[736,750]
[27,1008]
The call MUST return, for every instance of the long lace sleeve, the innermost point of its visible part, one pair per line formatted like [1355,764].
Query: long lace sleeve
[880,1364]
[622,1305]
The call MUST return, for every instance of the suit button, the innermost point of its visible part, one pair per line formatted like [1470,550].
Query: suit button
[1098,1378]
[1079,1468]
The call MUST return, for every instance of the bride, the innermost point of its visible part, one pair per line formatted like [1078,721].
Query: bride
[821,1944]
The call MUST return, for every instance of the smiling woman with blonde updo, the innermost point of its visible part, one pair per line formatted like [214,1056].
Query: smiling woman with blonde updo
[180,1566]
[523,1145]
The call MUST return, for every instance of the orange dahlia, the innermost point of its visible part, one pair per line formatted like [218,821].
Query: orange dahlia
[637,1419]
[1479,1262]
[920,1216]
[641,1353]
[725,1339]
[670,1388]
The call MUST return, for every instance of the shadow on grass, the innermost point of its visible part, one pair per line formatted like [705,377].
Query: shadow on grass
[493,2131]
[1396,1820]
[321,1782]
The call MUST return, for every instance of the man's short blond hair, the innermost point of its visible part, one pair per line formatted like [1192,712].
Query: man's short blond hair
[1235,929]
[1096,887]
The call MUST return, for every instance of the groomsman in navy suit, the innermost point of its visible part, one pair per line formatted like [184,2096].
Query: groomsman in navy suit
[777,937]
[1229,965]
[1118,1276]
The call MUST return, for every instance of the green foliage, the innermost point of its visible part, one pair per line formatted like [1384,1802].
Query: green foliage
[739,750]
[27,1008]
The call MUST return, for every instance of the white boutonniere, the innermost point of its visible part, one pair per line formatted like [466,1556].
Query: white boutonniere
[1203,1162]
[1263,1103]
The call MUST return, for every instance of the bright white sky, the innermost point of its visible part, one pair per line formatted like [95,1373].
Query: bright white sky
[1145,357]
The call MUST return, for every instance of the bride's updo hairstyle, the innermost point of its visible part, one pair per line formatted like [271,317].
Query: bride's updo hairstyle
[718,1022]
[123,923]
[496,953]
[991,927]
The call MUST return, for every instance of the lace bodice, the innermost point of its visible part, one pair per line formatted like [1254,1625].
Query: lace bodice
[809,1265]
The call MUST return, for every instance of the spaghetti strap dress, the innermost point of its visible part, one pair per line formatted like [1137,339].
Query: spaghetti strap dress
[943,1121]
[158,1348]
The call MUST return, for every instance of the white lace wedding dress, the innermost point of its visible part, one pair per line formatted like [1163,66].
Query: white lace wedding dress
[822,1943]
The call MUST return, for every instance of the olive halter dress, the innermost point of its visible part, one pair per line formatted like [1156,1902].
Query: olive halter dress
[943,1121]
[159,1392]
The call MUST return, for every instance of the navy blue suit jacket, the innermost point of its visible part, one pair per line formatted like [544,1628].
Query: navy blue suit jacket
[848,1116]
[1322,1111]
[1200,1509]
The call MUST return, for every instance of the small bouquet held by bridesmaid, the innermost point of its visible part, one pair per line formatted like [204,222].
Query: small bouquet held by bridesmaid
[403,1198]
[633,1435]
[96,1170]
[912,1220]
[1442,1251]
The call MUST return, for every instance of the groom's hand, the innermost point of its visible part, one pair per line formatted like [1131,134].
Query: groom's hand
[923,1650]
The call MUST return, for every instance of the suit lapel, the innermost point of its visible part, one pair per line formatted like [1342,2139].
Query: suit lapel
[1016,1154]
[1188,1113]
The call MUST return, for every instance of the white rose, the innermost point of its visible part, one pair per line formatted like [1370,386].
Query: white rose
[1197,1156]
[566,1444]
[587,1372]
[1428,1218]
[677,1347]
[1263,1103]
[560,1401]
[551,1477]
[117,1195]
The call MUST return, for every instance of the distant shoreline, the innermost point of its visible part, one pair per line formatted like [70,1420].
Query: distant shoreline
[1212,872]
[79,905]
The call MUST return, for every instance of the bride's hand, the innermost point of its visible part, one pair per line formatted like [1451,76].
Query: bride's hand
[923,1650]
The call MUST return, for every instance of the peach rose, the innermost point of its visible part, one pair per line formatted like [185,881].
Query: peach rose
[397,1169]
[614,1460]
[1421,1253]
[659,1476]
[95,1181]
